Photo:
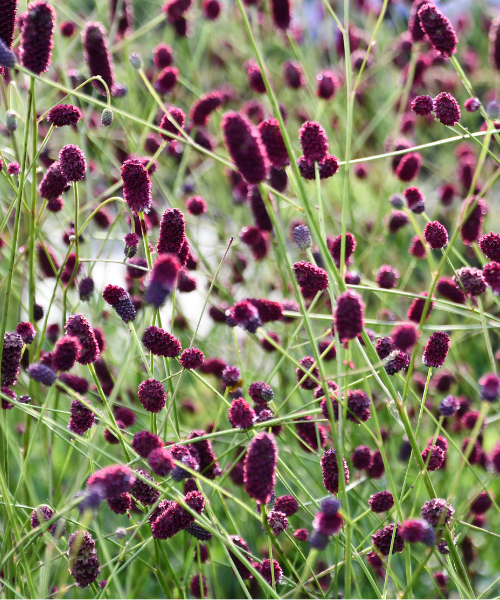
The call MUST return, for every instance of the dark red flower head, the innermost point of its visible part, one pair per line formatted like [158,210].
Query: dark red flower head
[288,505]
[161,342]
[309,277]
[83,563]
[42,373]
[447,288]
[264,569]
[349,315]
[471,227]
[409,166]
[162,56]
[437,512]
[326,85]
[152,395]
[115,480]
[191,358]
[161,462]
[36,36]
[245,147]
[196,205]
[273,141]
[281,13]
[417,308]
[26,331]
[305,364]
[240,414]
[446,109]
[64,114]
[136,186]
[97,56]
[414,28]
[489,385]
[435,235]
[8,25]
[490,245]
[203,107]
[433,457]
[436,350]
[260,466]
[330,468]
[381,502]
[144,442]
[246,315]
[422,105]
[53,183]
[313,142]
[387,277]
[211,10]
[292,74]
[254,76]
[472,280]
[382,540]
[65,353]
[415,200]
[361,458]
[208,463]
[72,163]
[172,121]
[335,247]
[438,29]
[78,326]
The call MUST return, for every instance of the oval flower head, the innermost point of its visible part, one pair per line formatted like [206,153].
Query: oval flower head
[260,467]
[436,351]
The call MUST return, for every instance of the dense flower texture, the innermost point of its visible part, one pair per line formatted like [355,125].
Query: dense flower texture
[65,353]
[313,142]
[267,573]
[81,419]
[161,342]
[409,166]
[161,462]
[78,326]
[72,163]
[136,186]
[172,232]
[36,36]
[437,512]
[144,442]
[97,56]
[326,85]
[446,109]
[349,316]
[422,105]
[64,114]
[435,235]
[472,280]
[26,331]
[382,540]
[438,29]
[381,502]
[119,299]
[83,563]
[114,480]
[330,468]
[163,278]
[245,147]
[436,350]
[305,365]
[7,25]
[208,464]
[152,395]
[42,373]
[53,183]
[490,246]
[415,200]
[260,466]
[309,277]
[240,414]
[172,121]
[175,518]
[328,521]
[335,247]
[273,141]
[191,358]
[244,314]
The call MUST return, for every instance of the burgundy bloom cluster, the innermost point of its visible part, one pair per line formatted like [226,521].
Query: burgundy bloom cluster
[435,235]
[471,279]
[206,457]
[83,563]
[72,163]
[273,141]
[381,502]
[152,395]
[310,278]
[114,480]
[161,462]
[436,350]
[174,518]
[163,278]
[416,530]
[244,314]
[335,247]
[98,57]
[446,109]
[161,342]
[53,183]
[78,326]
[136,186]
[36,36]
[64,114]
[144,442]
[119,299]
[172,121]
[65,353]
[349,316]
[260,467]
[438,29]
[437,512]
[330,468]
[383,540]
[81,419]
[245,147]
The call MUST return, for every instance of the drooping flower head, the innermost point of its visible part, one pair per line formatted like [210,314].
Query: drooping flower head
[36,36]
[136,186]
[245,147]
[98,57]
[438,29]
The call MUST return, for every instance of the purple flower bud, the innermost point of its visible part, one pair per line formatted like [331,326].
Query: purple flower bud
[436,350]
[72,163]
[260,466]
[381,502]
[349,315]
[136,186]
[64,114]
[42,373]
[98,57]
